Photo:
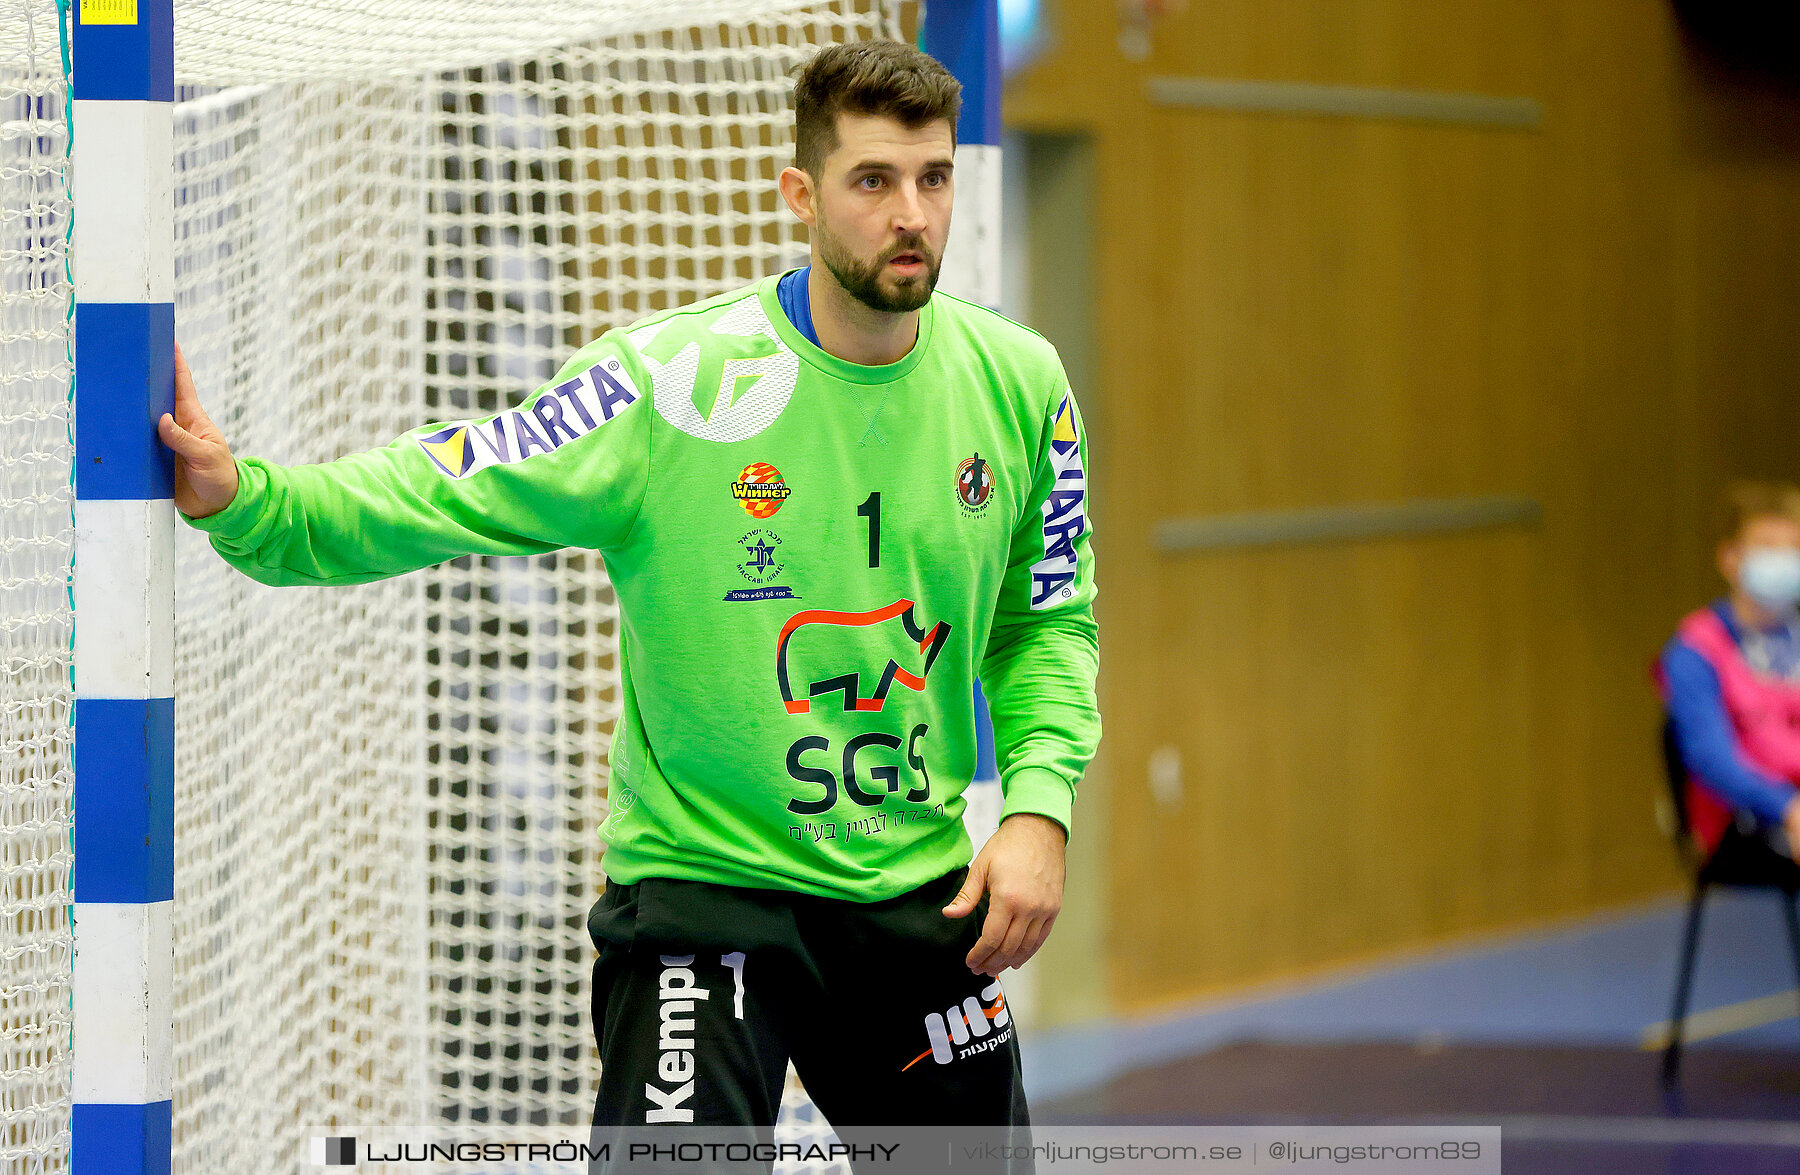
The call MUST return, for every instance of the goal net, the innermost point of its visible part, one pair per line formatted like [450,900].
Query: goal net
[387,213]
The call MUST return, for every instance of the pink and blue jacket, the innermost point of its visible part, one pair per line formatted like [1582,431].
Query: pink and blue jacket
[1738,727]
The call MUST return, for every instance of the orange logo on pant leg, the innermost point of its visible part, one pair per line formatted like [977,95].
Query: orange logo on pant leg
[960,1025]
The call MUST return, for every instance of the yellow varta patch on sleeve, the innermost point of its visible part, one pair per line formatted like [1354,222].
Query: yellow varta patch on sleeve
[1053,578]
[550,420]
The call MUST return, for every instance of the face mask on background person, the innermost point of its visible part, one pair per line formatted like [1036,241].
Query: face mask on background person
[1771,577]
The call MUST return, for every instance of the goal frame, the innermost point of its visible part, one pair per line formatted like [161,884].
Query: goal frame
[123,585]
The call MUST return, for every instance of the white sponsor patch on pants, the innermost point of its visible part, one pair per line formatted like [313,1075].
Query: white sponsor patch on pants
[957,1026]
[678,993]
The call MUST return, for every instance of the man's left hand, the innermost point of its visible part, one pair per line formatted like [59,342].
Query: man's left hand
[1021,868]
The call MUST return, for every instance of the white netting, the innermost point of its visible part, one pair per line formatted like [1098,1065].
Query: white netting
[387,795]
[36,542]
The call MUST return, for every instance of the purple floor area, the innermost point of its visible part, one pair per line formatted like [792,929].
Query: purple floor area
[1561,1109]
[1394,1082]
[1541,1034]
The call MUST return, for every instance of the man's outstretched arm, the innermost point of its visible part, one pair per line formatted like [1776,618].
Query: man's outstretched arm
[568,467]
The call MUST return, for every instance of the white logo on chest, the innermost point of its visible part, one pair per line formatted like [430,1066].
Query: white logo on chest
[745,379]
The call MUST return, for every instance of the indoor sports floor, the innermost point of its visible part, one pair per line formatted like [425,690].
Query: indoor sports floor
[1552,1036]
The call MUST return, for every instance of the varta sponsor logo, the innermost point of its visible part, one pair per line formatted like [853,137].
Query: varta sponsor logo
[561,414]
[1065,514]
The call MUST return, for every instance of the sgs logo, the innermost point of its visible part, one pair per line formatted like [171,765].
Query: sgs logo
[885,774]
[858,657]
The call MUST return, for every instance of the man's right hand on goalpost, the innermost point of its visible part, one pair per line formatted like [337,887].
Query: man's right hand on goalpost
[206,477]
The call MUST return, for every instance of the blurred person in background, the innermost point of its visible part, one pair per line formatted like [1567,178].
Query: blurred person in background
[1731,676]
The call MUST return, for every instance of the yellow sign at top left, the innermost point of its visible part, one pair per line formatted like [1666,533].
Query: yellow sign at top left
[109,12]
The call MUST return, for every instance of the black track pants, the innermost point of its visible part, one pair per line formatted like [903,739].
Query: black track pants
[703,993]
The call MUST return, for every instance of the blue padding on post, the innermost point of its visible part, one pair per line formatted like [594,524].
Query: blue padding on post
[124,382]
[121,1140]
[124,800]
[127,62]
[965,36]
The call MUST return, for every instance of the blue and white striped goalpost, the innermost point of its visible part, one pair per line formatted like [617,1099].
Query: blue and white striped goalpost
[124,588]
[964,35]
[123,584]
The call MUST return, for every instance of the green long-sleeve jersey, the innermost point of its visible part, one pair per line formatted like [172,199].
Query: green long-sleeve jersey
[814,562]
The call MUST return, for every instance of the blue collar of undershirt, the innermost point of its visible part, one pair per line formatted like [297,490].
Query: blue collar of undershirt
[796,303]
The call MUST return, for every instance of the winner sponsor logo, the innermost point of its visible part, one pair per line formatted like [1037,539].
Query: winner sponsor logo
[760,490]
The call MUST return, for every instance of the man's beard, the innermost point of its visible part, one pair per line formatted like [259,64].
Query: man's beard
[862,280]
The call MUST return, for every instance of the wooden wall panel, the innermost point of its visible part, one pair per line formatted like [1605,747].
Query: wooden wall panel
[1390,743]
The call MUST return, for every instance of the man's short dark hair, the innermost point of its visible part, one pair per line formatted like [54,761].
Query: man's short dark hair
[887,78]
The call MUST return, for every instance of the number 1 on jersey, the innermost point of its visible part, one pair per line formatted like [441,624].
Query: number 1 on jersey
[871,509]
